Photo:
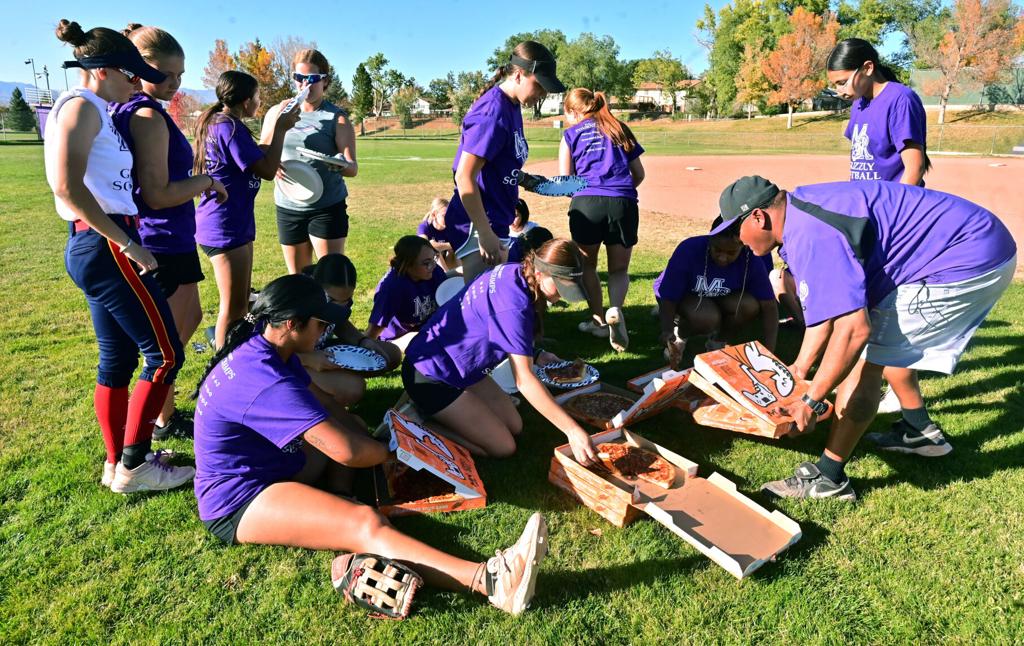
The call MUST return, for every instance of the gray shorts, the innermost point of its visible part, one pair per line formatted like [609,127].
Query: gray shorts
[472,243]
[928,326]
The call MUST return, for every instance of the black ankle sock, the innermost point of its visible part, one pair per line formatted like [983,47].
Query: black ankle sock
[135,455]
[917,418]
[834,470]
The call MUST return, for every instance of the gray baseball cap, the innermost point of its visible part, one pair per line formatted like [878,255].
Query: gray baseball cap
[741,197]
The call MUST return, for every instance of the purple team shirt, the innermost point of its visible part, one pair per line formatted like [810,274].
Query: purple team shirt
[604,165]
[903,235]
[691,270]
[879,129]
[427,230]
[173,229]
[230,153]
[488,320]
[252,411]
[402,305]
[492,129]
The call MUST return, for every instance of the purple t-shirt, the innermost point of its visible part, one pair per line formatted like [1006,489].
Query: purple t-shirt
[470,334]
[691,270]
[879,129]
[604,165]
[849,244]
[252,411]
[402,305]
[427,230]
[173,229]
[230,152]
[492,129]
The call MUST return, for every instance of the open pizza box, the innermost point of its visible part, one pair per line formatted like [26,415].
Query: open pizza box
[708,513]
[686,396]
[428,472]
[750,391]
[658,395]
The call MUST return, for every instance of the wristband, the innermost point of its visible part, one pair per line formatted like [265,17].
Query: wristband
[537,352]
[817,407]
[126,245]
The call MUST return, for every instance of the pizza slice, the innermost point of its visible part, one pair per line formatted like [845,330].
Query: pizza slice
[408,484]
[602,406]
[634,462]
[570,374]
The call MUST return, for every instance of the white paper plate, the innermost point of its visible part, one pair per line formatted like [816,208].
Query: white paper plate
[301,183]
[449,288]
[560,186]
[541,371]
[502,375]
[355,358]
[321,157]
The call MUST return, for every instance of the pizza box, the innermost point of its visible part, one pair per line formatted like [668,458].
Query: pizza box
[708,513]
[687,397]
[418,449]
[599,387]
[751,382]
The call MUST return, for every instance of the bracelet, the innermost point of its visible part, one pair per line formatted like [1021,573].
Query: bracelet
[537,352]
[817,407]
[124,247]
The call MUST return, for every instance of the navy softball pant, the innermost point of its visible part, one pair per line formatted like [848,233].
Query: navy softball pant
[129,312]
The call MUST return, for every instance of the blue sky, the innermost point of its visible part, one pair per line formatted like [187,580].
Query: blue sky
[421,39]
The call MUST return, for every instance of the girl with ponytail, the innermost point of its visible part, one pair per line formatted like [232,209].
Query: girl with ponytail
[227,151]
[490,157]
[404,299]
[888,131]
[273,467]
[603,150]
[445,371]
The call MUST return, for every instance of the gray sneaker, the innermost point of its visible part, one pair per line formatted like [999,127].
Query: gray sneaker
[904,438]
[808,482]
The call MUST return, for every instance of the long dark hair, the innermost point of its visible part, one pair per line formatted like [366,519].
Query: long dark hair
[529,50]
[233,88]
[850,54]
[288,298]
[407,250]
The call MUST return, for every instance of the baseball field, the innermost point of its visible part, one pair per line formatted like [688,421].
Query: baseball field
[932,552]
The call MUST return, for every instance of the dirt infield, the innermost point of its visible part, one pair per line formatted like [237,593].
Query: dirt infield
[671,192]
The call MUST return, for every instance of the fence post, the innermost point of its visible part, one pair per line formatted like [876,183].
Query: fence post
[992,148]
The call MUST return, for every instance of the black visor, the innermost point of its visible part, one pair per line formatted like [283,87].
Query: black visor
[130,60]
[543,71]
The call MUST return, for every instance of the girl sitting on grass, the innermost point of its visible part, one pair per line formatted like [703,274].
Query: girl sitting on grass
[404,299]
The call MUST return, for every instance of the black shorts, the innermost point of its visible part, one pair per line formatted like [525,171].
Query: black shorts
[226,527]
[216,251]
[594,219]
[176,269]
[328,223]
[431,397]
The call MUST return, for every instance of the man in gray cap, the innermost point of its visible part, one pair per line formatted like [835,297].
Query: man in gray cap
[888,275]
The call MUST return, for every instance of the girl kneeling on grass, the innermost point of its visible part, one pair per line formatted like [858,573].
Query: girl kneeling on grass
[271,462]
[405,295]
[335,387]
[446,365]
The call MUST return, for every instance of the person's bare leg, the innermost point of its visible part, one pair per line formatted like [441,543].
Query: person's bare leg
[187,314]
[697,316]
[298,515]
[499,402]
[618,274]
[856,405]
[324,246]
[736,312]
[471,417]
[297,256]
[232,271]
[904,383]
[591,282]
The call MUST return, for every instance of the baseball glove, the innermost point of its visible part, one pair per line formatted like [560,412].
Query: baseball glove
[380,585]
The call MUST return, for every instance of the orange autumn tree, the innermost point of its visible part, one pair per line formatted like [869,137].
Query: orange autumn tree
[220,61]
[752,86]
[258,61]
[797,65]
[983,38]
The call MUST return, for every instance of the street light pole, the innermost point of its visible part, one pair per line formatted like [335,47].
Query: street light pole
[32,62]
[46,75]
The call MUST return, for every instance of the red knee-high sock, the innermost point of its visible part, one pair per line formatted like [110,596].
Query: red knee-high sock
[111,406]
[145,404]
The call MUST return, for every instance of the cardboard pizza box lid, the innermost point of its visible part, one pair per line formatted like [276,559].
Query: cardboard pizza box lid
[751,376]
[659,394]
[687,397]
[717,415]
[421,448]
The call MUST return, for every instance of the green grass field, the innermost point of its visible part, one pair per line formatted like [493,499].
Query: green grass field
[933,552]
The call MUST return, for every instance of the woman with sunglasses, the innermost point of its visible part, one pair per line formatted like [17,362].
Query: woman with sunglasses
[404,299]
[888,131]
[164,189]
[321,226]
[490,158]
[446,367]
[88,167]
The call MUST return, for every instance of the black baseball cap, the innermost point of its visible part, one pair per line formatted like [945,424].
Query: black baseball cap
[741,197]
[299,296]
[568,280]
[542,67]
[128,59]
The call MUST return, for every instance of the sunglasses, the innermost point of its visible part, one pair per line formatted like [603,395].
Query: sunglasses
[308,78]
[132,76]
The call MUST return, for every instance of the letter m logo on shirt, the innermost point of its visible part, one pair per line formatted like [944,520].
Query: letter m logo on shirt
[860,143]
[715,288]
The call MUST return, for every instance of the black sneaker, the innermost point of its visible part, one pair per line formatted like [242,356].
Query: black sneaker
[180,425]
[904,438]
[808,482]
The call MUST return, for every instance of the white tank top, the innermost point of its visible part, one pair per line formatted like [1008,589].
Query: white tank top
[108,171]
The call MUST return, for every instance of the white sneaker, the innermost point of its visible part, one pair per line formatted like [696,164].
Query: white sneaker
[617,333]
[109,468]
[151,475]
[512,573]
[600,331]
[889,403]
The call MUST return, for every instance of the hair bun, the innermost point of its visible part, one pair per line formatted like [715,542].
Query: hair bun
[132,26]
[70,32]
